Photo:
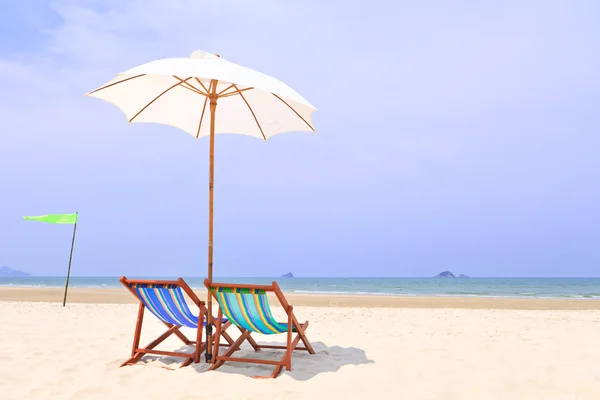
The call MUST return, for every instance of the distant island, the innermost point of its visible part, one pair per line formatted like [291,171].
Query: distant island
[288,275]
[9,272]
[448,274]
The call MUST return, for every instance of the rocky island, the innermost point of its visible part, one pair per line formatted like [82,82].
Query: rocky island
[288,275]
[448,274]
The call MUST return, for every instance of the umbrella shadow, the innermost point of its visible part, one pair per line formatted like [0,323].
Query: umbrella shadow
[304,365]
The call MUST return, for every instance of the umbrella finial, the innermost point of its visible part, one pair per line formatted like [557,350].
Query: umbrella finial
[203,54]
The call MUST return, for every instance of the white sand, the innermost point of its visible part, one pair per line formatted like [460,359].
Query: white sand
[51,352]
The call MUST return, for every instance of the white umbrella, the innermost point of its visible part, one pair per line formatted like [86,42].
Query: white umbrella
[181,91]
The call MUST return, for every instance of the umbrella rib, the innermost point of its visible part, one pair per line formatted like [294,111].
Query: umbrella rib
[189,86]
[295,112]
[226,89]
[116,83]
[158,97]
[202,84]
[201,117]
[193,89]
[237,91]
[252,111]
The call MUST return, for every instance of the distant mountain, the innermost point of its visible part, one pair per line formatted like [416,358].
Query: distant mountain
[9,272]
[288,275]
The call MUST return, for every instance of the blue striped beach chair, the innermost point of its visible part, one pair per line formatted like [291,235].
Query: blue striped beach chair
[247,307]
[165,300]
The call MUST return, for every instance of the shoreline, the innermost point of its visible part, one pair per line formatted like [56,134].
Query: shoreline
[120,296]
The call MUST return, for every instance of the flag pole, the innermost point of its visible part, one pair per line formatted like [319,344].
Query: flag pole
[70,258]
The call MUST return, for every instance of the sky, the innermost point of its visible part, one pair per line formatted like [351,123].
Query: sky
[458,136]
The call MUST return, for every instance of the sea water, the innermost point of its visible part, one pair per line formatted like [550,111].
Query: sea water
[572,288]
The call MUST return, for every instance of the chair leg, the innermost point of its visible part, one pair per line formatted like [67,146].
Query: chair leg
[187,362]
[199,336]
[276,372]
[138,329]
[138,354]
[288,352]
[302,333]
[274,375]
[218,335]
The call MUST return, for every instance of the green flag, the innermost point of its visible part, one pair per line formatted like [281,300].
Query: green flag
[55,218]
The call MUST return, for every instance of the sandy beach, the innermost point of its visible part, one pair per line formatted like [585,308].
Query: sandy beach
[120,296]
[415,348]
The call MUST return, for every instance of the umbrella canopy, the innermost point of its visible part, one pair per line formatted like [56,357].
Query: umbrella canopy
[176,92]
[185,92]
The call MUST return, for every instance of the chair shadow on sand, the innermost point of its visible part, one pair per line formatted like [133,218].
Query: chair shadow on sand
[304,366]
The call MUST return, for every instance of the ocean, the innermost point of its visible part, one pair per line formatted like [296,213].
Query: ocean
[571,288]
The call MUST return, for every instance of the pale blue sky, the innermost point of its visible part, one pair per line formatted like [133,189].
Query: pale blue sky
[455,135]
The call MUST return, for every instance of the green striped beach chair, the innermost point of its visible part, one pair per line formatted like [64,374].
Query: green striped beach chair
[247,307]
[165,300]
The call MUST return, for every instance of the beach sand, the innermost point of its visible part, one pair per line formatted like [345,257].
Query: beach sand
[367,347]
[121,296]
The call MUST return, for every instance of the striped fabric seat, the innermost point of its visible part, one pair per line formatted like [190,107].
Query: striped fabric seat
[248,309]
[167,303]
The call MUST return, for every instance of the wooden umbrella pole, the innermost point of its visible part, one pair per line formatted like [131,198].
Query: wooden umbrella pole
[70,260]
[211,181]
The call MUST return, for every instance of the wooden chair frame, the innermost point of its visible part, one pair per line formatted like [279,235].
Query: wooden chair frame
[291,345]
[138,352]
